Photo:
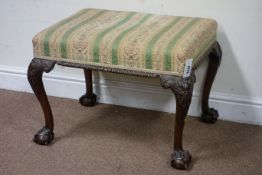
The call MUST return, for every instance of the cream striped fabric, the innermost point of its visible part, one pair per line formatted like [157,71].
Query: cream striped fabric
[127,40]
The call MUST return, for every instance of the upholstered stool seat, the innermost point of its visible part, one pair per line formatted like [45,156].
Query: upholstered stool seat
[167,47]
[127,40]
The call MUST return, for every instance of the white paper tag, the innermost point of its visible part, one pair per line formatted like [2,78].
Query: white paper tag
[188,67]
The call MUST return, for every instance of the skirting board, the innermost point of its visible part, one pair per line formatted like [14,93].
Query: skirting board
[231,107]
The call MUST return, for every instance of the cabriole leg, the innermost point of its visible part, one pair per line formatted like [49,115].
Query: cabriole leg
[34,74]
[210,115]
[89,98]
[182,89]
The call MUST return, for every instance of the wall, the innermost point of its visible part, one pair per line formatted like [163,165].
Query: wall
[237,88]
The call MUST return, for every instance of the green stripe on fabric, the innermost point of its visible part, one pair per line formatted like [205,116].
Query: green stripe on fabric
[154,41]
[101,35]
[122,35]
[63,43]
[204,47]
[172,43]
[51,30]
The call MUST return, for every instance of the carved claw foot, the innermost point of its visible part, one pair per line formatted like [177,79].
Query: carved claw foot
[88,100]
[44,136]
[211,116]
[181,159]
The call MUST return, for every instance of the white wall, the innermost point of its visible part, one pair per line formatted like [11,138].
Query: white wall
[237,88]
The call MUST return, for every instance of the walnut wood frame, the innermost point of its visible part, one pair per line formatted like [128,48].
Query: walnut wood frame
[181,87]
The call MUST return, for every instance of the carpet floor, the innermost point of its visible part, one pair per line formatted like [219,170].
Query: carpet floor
[108,139]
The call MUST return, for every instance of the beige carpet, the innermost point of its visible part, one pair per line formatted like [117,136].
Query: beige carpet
[110,139]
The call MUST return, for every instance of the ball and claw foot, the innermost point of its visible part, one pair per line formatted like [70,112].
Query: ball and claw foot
[181,159]
[88,100]
[44,136]
[211,116]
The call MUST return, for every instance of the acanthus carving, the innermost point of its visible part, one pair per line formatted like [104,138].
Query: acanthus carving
[37,67]
[181,87]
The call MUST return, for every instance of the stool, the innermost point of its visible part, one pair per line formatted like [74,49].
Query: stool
[156,46]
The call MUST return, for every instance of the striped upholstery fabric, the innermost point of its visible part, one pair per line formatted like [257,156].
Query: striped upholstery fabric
[127,40]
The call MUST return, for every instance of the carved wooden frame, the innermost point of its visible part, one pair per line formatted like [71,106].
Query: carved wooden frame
[181,87]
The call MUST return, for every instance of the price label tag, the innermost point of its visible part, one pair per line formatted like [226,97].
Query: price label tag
[188,67]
